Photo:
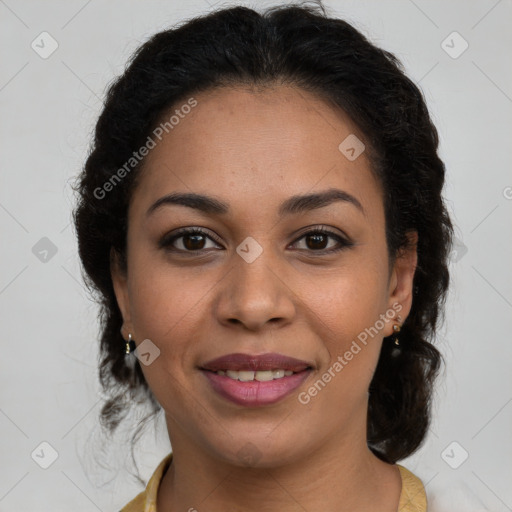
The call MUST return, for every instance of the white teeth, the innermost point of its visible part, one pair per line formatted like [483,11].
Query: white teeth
[261,376]
[245,376]
[264,376]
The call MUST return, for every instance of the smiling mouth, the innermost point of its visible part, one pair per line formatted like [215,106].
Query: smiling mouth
[255,380]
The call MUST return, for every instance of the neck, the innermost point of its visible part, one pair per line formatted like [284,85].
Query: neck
[341,475]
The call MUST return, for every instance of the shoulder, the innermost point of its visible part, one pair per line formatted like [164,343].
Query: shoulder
[146,500]
[413,497]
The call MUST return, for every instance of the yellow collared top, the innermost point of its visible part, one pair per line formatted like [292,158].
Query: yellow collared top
[412,497]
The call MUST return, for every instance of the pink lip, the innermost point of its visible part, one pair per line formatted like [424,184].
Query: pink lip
[255,393]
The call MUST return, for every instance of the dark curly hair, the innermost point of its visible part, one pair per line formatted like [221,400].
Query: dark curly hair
[299,45]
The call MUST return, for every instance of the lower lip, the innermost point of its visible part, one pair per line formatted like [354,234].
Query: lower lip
[255,393]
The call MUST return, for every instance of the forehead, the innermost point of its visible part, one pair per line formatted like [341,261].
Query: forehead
[263,145]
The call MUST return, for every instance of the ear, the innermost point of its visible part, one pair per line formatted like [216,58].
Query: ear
[401,281]
[119,281]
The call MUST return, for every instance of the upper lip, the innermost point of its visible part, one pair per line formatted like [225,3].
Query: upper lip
[261,362]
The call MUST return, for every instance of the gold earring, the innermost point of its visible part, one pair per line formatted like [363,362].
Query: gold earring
[130,344]
[396,329]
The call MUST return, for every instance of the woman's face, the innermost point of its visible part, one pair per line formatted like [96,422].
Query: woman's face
[260,280]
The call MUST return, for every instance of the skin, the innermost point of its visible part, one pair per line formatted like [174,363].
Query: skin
[253,149]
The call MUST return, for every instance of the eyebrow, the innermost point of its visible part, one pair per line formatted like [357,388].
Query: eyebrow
[292,205]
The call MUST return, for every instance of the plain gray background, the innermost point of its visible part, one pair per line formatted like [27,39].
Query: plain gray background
[48,384]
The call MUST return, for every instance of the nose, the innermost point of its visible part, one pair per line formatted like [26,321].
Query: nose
[255,295]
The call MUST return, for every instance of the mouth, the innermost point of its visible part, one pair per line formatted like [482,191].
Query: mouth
[254,381]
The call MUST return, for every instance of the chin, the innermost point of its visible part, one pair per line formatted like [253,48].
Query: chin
[260,451]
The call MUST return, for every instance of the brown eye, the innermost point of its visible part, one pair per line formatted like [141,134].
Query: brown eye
[193,242]
[317,240]
[187,240]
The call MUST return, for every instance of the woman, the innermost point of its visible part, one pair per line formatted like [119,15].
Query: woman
[261,214]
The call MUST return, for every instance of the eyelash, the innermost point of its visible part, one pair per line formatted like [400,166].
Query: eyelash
[167,241]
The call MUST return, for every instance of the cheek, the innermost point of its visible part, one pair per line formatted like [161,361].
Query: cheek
[349,311]
[341,383]
[165,310]
[349,300]
[164,300]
